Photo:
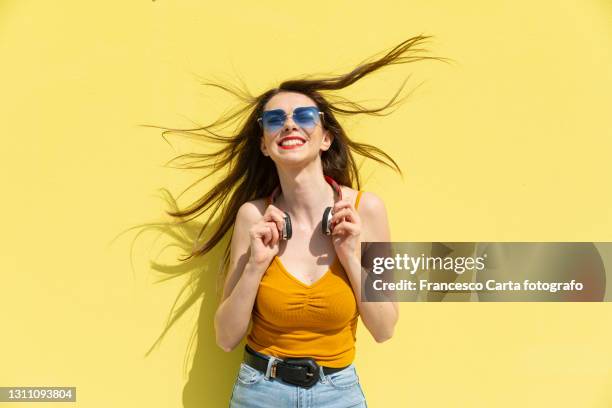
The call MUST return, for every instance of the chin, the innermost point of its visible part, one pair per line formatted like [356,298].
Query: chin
[295,160]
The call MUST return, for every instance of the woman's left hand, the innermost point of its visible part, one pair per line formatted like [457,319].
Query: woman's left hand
[346,231]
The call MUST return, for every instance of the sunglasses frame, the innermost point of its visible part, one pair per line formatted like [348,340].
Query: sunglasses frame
[321,115]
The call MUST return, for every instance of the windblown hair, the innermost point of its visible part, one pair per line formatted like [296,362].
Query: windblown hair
[251,175]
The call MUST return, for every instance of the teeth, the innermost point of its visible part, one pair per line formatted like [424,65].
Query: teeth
[292,142]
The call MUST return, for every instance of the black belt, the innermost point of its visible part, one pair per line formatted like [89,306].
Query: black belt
[297,371]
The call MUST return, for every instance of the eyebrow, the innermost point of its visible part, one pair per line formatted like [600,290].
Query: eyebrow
[283,111]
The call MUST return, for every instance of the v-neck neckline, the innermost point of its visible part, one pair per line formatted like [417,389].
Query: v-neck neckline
[312,285]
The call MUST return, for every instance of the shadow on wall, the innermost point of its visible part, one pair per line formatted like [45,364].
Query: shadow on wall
[213,371]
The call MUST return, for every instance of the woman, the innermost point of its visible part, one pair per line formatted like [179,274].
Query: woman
[306,312]
[302,293]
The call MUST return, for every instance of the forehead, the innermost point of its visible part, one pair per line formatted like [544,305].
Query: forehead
[287,101]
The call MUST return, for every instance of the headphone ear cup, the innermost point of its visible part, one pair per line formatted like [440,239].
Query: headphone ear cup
[287,231]
[326,222]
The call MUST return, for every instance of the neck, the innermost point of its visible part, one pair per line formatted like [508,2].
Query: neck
[305,194]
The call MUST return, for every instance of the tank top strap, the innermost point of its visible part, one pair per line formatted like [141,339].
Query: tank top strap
[357,199]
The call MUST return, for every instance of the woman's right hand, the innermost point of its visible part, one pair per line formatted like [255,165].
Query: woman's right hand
[265,236]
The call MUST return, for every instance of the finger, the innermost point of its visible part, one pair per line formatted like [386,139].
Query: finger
[275,233]
[345,213]
[343,204]
[276,217]
[273,210]
[273,214]
[264,234]
[346,228]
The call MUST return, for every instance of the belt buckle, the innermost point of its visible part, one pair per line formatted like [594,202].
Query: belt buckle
[312,371]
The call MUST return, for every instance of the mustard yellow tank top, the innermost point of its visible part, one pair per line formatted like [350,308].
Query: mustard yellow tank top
[293,319]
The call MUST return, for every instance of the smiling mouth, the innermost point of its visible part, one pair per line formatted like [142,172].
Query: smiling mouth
[291,143]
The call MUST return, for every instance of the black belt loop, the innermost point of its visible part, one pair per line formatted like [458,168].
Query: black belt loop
[303,372]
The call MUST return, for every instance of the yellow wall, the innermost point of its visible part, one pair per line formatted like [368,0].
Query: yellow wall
[510,143]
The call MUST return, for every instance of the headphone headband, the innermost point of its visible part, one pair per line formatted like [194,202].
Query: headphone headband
[335,185]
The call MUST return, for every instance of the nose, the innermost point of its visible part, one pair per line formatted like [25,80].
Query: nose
[289,123]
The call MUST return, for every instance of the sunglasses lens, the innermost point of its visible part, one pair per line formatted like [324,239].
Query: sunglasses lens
[306,116]
[273,120]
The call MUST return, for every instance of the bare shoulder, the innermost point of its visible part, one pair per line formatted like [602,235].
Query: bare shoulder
[369,203]
[250,211]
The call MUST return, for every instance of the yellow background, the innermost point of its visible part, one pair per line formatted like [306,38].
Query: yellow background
[512,142]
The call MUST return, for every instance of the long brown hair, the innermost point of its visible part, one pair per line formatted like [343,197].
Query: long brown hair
[251,175]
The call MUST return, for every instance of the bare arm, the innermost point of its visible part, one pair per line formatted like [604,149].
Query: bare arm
[378,317]
[246,268]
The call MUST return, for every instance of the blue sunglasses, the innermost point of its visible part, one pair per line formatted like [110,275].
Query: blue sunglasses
[304,116]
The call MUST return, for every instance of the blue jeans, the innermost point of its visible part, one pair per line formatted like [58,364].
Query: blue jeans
[255,389]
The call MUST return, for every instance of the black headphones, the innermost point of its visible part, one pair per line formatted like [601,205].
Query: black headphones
[327,214]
